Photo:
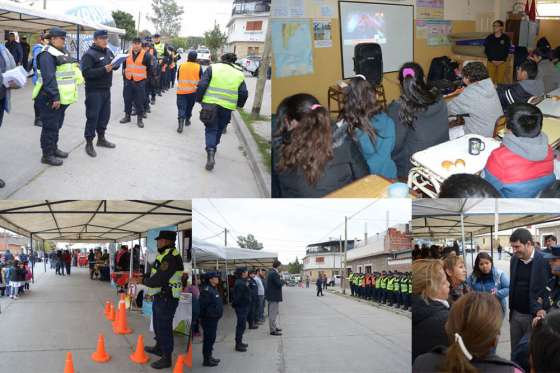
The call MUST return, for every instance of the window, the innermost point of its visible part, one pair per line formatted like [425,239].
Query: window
[254,26]
[548,8]
[368,269]
[320,259]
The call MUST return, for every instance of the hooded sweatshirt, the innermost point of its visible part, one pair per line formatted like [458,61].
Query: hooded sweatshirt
[479,100]
[521,167]
[549,75]
[519,92]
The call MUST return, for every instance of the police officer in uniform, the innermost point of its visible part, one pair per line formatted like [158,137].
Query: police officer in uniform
[136,69]
[98,73]
[221,90]
[55,90]
[211,311]
[165,286]
[241,303]
[254,306]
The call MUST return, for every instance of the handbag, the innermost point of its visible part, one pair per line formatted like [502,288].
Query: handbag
[208,113]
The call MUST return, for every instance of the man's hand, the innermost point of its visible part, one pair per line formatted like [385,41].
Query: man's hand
[109,68]
[540,315]
[56,105]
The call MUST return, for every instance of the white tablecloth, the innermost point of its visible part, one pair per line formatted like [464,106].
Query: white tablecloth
[184,312]
[551,107]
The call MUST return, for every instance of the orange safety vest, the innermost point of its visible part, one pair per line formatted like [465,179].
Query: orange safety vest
[134,69]
[189,76]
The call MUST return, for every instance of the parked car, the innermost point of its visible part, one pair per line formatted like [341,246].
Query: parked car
[250,64]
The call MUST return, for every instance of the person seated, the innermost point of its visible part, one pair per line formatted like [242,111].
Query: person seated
[365,121]
[479,99]
[547,71]
[310,155]
[467,186]
[527,86]
[523,165]
[473,331]
[420,117]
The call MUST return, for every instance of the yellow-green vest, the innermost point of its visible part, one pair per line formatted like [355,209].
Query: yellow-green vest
[160,48]
[350,278]
[224,86]
[396,285]
[378,282]
[384,283]
[68,76]
[404,285]
[409,286]
[175,281]
[390,283]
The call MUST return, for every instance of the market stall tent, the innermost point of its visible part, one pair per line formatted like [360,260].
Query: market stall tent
[209,255]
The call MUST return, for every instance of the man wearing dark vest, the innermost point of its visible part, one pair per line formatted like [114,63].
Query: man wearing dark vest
[136,69]
[98,74]
[529,275]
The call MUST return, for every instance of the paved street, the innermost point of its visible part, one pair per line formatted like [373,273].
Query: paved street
[150,163]
[63,314]
[320,334]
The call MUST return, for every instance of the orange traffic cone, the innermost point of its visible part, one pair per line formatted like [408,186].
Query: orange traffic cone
[188,356]
[100,356]
[111,315]
[139,356]
[122,325]
[180,365]
[69,367]
[107,308]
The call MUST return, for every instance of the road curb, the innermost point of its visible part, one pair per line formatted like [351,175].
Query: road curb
[255,159]
[373,304]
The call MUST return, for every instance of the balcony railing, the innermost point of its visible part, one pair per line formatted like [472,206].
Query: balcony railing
[243,9]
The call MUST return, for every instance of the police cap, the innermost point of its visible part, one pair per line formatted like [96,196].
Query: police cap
[100,34]
[57,32]
[137,40]
[168,235]
[210,275]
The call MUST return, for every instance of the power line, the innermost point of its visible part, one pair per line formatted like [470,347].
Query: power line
[219,213]
[210,220]
[215,235]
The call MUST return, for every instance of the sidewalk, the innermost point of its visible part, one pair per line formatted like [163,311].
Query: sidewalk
[62,314]
[154,162]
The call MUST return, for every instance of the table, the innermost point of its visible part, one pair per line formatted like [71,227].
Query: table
[371,186]
[550,107]
[335,94]
[428,173]
[551,126]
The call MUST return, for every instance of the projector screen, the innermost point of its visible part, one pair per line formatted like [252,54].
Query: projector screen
[389,25]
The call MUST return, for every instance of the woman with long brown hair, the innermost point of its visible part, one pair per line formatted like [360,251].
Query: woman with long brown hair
[366,123]
[473,330]
[310,156]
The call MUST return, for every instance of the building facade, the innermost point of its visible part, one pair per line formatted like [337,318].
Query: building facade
[324,258]
[247,27]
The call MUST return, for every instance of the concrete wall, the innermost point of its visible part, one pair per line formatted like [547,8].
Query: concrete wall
[237,32]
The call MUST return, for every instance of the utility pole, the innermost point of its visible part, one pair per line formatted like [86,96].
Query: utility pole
[342,274]
[263,73]
[225,237]
[44,4]
[345,249]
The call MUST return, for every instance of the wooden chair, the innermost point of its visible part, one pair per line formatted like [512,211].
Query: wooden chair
[499,127]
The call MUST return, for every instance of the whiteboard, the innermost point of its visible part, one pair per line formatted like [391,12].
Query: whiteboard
[389,25]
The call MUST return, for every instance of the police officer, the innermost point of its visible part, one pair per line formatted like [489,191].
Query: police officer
[98,73]
[165,286]
[350,279]
[162,55]
[221,90]
[550,295]
[153,77]
[188,76]
[384,278]
[136,69]
[241,303]
[254,306]
[211,310]
[55,90]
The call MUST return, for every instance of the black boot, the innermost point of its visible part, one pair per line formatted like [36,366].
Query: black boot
[164,362]
[148,110]
[51,160]
[210,161]
[38,122]
[208,362]
[187,122]
[60,154]
[89,148]
[139,122]
[154,350]
[244,345]
[102,142]
[126,119]
[212,358]
[239,347]
[2,183]
[144,115]
[181,124]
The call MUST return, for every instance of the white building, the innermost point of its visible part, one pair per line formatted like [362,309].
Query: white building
[323,257]
[247,27]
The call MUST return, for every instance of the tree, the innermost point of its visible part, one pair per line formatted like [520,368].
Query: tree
[179,42]
[249,242]
[194,41]
[214,39]
[295,267]
[125,21]
[167,17]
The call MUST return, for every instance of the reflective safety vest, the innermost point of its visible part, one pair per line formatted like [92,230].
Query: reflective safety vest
[350,278]
[390,283]
[160,48]
[224,86]
[384,283]
[404,286]
[134,68]
[189,76]
[68,76]
[409,286]
[378,282]
[396,285]
[175,281]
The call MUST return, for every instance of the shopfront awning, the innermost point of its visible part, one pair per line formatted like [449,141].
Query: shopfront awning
[209,255]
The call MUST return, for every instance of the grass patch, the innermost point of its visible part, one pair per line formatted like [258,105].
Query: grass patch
[262,143]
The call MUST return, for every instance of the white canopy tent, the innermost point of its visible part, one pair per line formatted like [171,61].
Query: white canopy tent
[92,221]
[457,218]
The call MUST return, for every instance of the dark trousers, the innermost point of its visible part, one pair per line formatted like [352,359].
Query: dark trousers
[164,79]
[67,268]
[173,76]
[213,130]
[134,92]
[98,112]
[242,313]
[52,123]
[319,290]
[153,86]
[185,104]
[36,109]
[147,97]
[163,310]
[210,326]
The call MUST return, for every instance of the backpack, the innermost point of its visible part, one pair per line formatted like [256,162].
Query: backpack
[442,68]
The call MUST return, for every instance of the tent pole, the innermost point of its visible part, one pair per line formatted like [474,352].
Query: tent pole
[227,283]
[496,222]
[44,256]
[463,236]
[492,241]
[78,42]
[472,248]
[32,266]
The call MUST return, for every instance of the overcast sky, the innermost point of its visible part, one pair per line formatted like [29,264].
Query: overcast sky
[199,15]
[287,226]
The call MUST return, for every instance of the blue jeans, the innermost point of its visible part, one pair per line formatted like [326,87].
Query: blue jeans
[214,129]
[163,310]
[185,104]
[242,313]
